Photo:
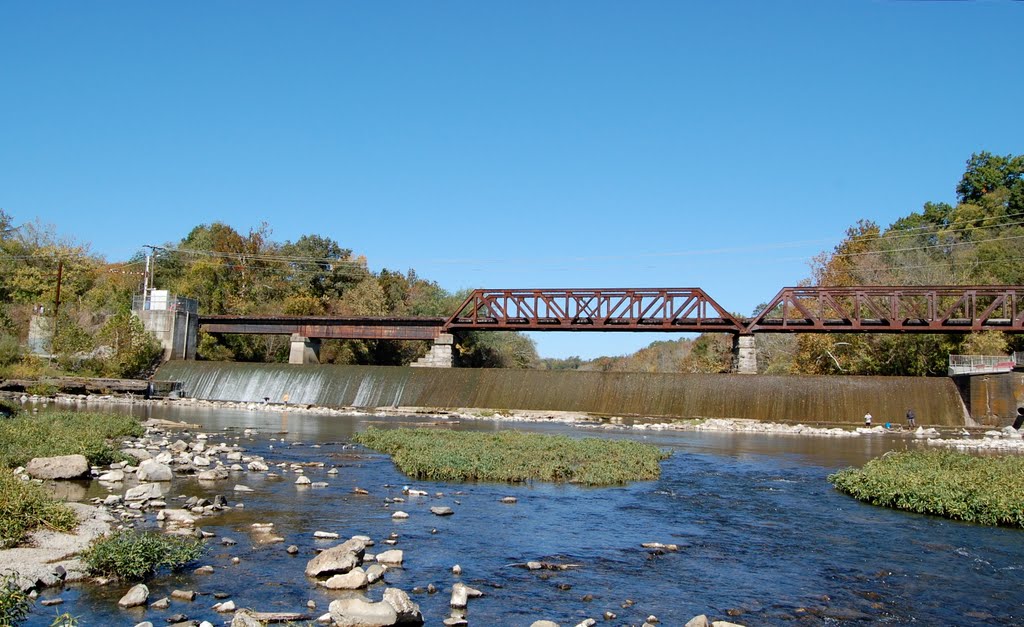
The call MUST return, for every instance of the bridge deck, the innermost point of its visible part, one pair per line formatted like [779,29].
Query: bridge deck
[916,309]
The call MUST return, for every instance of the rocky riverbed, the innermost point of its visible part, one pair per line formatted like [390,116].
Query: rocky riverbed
[221,474]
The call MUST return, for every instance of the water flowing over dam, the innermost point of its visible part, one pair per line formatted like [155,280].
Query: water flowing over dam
[832,399]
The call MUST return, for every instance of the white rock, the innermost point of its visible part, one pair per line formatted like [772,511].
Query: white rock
[135,597]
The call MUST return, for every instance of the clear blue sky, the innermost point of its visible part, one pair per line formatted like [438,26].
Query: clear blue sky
[507,144]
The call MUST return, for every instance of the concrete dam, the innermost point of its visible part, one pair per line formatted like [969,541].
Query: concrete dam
[807,399]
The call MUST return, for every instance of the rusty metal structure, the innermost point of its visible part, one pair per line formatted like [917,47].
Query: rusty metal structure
[922,309]
[658,309]
[327,327]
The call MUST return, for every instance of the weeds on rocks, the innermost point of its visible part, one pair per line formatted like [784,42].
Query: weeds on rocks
[133,555]
[25,506]
[65,433]
[14,603]
[514,456]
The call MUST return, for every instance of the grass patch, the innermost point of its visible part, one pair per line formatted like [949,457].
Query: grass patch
[64,433]
[134,555]
[514,456]
[25,506]
[984,490]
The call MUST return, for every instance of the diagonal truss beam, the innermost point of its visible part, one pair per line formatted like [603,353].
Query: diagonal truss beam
[920,309]
[654,309]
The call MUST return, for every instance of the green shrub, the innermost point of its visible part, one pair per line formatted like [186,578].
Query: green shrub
[988,490]
[514,456]
[42,388]
[9,408]
[65,433]
[14,603]
[134,555]
[24,506]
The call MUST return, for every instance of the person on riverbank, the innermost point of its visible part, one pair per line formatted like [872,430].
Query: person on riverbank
[867,420]
[911,418]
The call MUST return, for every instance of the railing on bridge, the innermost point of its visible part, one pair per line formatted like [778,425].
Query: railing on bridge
[676,309]
[981,364]
[924,309]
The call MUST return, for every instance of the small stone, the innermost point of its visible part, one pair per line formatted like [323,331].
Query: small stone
[136,596]
[49,602]
[609,615]
[457,569]
[393,557]
[243,488]
[303,480]
[399,515]
[226,606]
[292,550]
[325,535]
[183,595]
[204,570]
[441,510]
[161,604]
[509,499]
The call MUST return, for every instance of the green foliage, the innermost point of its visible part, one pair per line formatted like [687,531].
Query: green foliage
[984,490]
[9,408]
[135,350]
[65,433]
[514,456]
[64,620]
[10,349]
[133,555]
[14,603]
[25,506]
[42,388]
[497,350]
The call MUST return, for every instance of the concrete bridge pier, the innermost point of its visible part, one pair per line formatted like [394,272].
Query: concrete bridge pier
[304,350]
[439,355]
[744,354]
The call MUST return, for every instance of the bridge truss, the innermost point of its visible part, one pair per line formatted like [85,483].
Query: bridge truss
[658,309]
[923,309]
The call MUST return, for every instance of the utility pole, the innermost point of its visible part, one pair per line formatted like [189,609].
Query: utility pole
[56,303]
[147,279]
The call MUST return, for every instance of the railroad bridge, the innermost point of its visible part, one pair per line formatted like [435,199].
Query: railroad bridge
[894,309]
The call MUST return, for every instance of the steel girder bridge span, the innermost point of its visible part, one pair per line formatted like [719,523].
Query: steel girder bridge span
[919,309]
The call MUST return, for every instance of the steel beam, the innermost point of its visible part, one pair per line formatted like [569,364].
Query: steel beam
[656,309]
[918,309]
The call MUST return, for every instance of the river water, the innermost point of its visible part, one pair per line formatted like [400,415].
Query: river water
[763,538]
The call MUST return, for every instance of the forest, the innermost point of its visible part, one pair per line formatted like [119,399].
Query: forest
[974,242]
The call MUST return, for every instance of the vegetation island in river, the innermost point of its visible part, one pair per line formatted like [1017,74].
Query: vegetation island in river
[514,456]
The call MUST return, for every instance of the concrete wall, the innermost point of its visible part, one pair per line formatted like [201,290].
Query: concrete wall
[177,331]
[992,399]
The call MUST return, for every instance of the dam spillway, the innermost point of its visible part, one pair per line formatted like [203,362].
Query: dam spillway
[795,398]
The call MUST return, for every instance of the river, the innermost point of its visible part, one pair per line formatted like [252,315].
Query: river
[763,538]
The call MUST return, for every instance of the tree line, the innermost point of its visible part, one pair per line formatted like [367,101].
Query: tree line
[974,241]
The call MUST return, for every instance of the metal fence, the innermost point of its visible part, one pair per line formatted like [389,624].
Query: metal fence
[160,300]
[981,364]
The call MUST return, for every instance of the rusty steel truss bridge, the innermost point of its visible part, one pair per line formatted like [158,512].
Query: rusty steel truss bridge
[905,309]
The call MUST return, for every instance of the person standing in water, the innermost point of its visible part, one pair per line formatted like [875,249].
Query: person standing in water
[867,420]
[911,418]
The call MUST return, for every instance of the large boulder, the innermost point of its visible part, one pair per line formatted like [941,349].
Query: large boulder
[408,612]
[362,613]
[60,467]
[152,470]
[337,559]
[144,491]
